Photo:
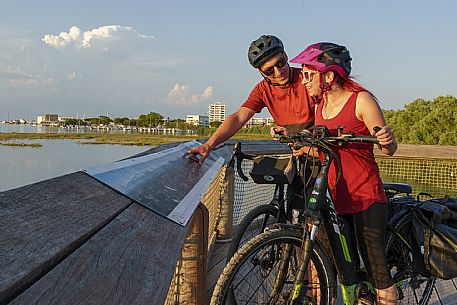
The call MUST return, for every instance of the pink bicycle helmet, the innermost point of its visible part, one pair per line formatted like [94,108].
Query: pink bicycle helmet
[326,56]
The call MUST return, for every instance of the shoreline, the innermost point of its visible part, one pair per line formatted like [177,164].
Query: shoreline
[404,150]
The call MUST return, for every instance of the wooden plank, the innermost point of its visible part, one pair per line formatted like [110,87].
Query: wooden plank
[44,222]
[216,264]
[129,261]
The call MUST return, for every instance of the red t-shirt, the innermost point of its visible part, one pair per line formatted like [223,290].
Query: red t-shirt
[359,185]
[287,106]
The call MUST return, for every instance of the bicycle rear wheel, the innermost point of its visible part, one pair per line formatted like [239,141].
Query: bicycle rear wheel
[412,287]
[253,273]
[254,223]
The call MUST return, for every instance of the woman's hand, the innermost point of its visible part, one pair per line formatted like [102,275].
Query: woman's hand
[387,143]
[385,136]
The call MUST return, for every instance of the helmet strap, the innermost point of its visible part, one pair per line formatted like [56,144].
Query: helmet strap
[325,86]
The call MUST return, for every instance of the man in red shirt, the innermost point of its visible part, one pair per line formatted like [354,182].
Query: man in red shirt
[280,91]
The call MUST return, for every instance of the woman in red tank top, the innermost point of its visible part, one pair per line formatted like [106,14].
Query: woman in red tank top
[358,195]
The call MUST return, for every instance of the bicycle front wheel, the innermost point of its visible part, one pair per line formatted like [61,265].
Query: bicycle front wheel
[412,287]
[263,271]
[254,223]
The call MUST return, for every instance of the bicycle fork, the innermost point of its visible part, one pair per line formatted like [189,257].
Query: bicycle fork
[300,290]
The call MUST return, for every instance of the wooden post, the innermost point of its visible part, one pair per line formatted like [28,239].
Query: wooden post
[225,224]
[189,283]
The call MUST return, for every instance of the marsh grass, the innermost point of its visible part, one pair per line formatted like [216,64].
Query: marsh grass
[33,145]
[115,139]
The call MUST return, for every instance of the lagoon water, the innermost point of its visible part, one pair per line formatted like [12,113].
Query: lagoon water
[20,166]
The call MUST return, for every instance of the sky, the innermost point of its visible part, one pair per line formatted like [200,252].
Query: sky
[125,58]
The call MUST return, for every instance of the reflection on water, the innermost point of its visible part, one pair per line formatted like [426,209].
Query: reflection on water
[25,128]
[24,165]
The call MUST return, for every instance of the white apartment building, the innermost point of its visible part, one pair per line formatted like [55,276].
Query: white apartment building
[217,112]
[197,119]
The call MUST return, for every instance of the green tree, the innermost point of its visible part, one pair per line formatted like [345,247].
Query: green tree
[153,119]
[425,122]
[215,124]
[71,122]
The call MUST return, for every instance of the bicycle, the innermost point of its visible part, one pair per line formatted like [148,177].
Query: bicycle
[273,267]
[262,216]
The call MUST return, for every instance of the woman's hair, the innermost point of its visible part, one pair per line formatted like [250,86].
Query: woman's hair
[349,84]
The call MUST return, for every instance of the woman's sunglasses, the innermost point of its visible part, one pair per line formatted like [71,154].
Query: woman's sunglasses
[308,75]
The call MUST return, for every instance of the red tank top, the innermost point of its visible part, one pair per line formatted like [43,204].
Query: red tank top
[359,185]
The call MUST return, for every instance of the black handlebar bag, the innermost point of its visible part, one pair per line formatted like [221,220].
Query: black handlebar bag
[272,170]
[435,231]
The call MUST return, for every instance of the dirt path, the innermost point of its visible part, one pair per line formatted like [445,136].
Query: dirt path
[430,151]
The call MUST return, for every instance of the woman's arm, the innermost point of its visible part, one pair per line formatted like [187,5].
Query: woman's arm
[367,109]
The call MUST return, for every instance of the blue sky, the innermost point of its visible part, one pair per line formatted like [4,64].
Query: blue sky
[174,57]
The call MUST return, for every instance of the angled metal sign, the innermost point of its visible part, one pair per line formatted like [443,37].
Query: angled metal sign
[164,182]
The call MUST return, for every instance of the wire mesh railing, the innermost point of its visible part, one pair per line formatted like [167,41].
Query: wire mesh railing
[435,176]
[431,175]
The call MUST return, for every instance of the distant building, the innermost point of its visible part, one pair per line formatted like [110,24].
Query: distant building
[48,120]
[39,119]
[51,117]
[197,119]
[260,121]
[217,112]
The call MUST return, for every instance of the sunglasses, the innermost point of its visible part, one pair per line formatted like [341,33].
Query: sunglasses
[308,75]
[279,64]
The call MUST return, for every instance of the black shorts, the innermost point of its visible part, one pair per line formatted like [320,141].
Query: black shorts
[369,227]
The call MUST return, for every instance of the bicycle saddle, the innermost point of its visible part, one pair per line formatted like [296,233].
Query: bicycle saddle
[398,187]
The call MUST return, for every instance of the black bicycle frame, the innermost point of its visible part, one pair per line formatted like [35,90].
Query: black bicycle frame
[321,209]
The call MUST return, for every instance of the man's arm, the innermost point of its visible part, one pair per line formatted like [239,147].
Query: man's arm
[228,128]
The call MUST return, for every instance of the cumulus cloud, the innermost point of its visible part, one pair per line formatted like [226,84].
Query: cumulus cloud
[204,96]
[78,57]
[78,39]
[180,94]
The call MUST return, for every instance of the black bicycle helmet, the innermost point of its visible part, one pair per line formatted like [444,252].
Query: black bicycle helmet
[262,49]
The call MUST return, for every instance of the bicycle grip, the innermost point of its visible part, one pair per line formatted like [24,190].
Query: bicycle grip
[377,128]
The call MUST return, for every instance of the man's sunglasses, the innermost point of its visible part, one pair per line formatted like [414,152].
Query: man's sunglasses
[279,64]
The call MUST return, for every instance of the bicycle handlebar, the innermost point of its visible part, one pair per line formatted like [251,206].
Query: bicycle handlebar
[239,155]
[319,137]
